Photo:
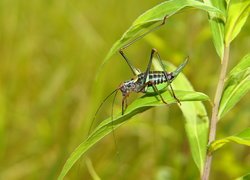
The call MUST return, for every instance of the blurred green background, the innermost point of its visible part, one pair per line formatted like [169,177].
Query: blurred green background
[50,53]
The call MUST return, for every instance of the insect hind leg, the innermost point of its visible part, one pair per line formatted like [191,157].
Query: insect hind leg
[166,76]
[133,69]
[173,94]
[141,36]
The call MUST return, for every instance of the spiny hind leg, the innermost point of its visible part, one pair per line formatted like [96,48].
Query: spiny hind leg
[141,36]
[173,94]
[166,74]
[133,69]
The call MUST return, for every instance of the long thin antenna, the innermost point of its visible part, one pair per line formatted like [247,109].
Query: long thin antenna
[92,122]
[113,132]
[112,111]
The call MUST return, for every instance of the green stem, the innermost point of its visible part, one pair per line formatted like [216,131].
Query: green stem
[214,116]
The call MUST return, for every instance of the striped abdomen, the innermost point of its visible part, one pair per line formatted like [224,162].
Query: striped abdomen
[156,77]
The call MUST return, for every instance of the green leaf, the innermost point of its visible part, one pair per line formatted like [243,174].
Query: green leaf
[196,120]
[217,26]
[244,177]
[238,11]
[138,106]
[236,86]
[154,17]
[241,138]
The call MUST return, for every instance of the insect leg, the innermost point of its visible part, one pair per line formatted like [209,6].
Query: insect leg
[166,75]
[173,94]
[149,66]
[157,91]
[141,36]
[124,102]
[146,76]
[149,83]
[133,69]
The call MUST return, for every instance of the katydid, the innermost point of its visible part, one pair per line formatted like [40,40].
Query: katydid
[143,80]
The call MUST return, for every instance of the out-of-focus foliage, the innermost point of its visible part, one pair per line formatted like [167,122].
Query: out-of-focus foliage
[50,52]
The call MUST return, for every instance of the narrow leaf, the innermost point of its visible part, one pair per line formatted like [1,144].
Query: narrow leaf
[154,17]
[238,11]
[138,106]
[241,138]
[217,26]
[236,86]
[196,120]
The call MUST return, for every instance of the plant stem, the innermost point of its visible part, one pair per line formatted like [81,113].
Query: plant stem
[214,116]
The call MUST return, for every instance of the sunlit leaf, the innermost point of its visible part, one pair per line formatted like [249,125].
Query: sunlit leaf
[217,26]
[196,120]
[237,14]
[138,106]
[154,17]
[241,138]
[244,177]
[236,86]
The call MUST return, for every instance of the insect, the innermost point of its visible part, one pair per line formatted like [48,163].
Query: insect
[143,80]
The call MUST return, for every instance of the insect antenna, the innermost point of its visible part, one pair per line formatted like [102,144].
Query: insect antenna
[98,109]
[112,110]
[113,132]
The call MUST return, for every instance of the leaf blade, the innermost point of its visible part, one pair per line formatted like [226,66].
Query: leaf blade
[244,177]
[236,86]
[238,12]
[138,106]
[155,15]
[242,138]
[196,121]
[217,27]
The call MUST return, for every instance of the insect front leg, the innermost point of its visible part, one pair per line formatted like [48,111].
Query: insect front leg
[124,103]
